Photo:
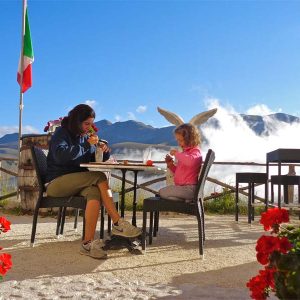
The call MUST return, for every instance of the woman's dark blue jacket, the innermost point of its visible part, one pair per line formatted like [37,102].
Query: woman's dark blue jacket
[67,152]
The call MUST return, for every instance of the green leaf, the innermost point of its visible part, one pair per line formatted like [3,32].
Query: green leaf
[288,262]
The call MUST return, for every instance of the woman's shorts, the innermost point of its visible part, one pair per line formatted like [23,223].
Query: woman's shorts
[81,183]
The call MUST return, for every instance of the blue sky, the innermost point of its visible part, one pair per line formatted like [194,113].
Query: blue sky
[128,57]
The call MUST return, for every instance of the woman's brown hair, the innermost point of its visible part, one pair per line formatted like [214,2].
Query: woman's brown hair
[76,116]
[190,134]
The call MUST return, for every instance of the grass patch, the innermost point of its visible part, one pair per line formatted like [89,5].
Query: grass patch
[16,211]
[225,204]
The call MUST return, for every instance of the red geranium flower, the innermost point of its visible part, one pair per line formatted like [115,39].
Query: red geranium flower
[268,275]
[284,246]
[260,284]
[273,217]
[267,244]
[263,258]
[257,286]
[4,224]
[5,263]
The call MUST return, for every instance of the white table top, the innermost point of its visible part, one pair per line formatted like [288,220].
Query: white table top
[100,166]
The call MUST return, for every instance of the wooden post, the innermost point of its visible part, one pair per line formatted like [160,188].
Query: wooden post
[27,180]
[291,172]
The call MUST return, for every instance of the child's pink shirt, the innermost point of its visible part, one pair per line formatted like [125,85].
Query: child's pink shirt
[188,166]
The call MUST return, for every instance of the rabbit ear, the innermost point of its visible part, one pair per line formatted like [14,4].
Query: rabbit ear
[171,117]
[202,117]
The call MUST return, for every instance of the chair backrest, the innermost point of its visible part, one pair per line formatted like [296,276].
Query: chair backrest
[209,159]
[39,157]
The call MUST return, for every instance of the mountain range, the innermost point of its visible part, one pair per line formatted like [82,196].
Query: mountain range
[138,132]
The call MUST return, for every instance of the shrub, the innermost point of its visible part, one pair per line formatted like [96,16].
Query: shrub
[279,253]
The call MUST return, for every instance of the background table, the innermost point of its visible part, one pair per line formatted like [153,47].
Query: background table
[136,167]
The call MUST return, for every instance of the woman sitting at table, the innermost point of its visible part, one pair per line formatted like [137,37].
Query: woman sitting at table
[70,146]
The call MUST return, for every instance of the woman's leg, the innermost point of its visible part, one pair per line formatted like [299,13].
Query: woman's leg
[120,226]
[94,186]
[107,201]
[84,184]
[91,218]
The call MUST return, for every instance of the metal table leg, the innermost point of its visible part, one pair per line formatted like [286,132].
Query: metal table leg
[123,192]
[134,198]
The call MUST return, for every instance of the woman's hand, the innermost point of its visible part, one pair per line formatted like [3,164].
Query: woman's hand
[173,152]
[93,139]
[104,147]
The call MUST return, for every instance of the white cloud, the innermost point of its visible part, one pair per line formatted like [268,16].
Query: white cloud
[234,141]
[29,129]
[141,109]
[260,110]
[91,103]
[15,129]
[118,118]
[131,116]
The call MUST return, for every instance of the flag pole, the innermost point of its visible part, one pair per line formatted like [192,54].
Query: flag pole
[21,93]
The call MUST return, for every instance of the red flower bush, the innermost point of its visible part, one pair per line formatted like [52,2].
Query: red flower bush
[273,217]
[280,254]
[258,284]
[5,258]
[5,263]
[4,225]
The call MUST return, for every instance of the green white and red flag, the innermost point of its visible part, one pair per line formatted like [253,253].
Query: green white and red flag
[26,56]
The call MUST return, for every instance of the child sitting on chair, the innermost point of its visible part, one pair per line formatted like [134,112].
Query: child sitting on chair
[188,165]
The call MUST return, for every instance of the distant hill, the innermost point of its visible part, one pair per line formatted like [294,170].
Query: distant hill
[258,123]
[8,138]
[123,134]
[136,132]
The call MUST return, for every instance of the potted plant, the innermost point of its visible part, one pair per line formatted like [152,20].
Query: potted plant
[279,252]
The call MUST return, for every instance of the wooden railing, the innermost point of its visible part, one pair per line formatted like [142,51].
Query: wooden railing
[227,188]
[9,172]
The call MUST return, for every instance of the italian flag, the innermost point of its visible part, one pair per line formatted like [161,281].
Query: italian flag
[26,56]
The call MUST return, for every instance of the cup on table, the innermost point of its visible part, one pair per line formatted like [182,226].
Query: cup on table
[147,154]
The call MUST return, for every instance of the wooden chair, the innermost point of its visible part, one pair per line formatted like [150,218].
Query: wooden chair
[39,157]
[156,204]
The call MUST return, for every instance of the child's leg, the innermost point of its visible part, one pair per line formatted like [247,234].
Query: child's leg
[178,192]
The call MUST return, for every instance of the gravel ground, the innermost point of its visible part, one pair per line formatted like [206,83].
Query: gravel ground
[170,268]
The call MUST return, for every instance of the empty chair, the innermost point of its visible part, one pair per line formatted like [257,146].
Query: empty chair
[285,181]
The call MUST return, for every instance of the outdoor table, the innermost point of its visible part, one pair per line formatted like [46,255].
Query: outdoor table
[281,156]
[123,167]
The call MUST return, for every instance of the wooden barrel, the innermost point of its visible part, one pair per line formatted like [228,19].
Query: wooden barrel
[27,180]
